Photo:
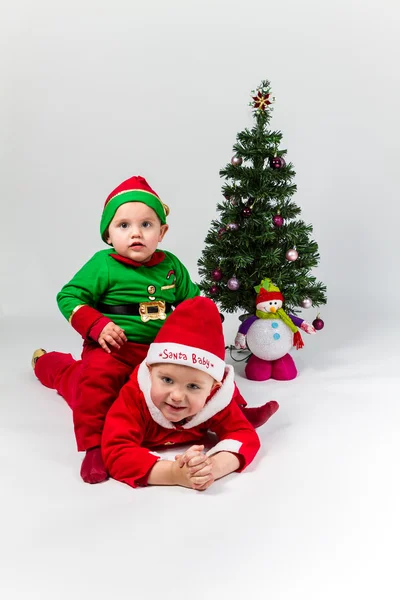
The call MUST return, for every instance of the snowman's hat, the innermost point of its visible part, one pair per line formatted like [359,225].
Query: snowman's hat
[267,291]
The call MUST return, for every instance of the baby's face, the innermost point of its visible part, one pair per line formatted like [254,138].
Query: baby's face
[178,391]
[135,231]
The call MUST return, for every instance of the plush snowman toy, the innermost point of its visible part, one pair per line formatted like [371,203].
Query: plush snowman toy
[269,335]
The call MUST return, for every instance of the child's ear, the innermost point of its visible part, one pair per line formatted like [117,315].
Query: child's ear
[163,231]
[216,385]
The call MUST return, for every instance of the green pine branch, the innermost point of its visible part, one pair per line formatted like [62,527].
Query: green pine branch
[248,245]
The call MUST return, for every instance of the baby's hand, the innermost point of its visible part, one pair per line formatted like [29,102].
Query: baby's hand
[111,335]
[307,327]
[201,472]
[198,467]
[182,459]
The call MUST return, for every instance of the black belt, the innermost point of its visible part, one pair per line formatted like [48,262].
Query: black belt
[128,309]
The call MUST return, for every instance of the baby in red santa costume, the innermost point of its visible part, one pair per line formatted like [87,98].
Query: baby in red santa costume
[180,392]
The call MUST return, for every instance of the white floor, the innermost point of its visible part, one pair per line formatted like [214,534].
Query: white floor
[316,517]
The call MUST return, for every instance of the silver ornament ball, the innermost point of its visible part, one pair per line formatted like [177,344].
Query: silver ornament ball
[233,284]
[292,255]
[306,303]
[236,161]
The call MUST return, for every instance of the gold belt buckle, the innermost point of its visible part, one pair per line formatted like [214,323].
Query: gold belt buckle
[152,311]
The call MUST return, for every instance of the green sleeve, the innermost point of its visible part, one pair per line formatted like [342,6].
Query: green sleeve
[185,288]
[86,287]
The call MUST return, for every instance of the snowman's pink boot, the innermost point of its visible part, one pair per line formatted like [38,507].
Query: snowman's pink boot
[284,368]
[258,369]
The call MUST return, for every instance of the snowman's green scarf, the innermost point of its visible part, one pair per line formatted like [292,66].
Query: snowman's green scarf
[280,314]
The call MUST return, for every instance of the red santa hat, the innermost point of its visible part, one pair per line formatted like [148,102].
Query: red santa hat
[192,336]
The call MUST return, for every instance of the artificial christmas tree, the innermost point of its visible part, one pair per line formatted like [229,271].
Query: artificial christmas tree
[258,233]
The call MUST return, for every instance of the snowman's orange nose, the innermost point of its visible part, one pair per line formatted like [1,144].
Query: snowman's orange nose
[272,309]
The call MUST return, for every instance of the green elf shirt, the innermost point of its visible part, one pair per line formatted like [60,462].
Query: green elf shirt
[137,297]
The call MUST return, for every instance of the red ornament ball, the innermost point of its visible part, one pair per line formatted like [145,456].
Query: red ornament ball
[278,221]
[246,212]
[221,232]
[216,275]
[277,162]
[318,324]
[214,289]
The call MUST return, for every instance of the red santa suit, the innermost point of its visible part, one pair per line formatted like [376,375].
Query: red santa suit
[135,427]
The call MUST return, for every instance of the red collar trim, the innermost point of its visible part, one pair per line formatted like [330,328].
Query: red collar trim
[155,260]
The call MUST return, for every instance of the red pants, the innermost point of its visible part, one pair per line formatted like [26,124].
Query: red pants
[89,385]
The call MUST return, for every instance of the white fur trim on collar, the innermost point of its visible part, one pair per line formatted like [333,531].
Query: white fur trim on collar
[144,383]
[218,402]
[180,354]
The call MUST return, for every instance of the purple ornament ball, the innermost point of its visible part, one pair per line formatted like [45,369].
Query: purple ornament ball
[318,324]
[277,162]
[278,221]
[214,289]
[216,275]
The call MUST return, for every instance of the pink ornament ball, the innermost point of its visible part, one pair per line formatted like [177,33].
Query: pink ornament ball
[292,255]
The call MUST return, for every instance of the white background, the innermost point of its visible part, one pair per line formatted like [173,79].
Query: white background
[94,92]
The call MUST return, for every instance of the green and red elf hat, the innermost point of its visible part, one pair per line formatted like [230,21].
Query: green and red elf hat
[134,189]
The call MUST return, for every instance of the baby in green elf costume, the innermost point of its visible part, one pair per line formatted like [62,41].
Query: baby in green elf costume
[118,301]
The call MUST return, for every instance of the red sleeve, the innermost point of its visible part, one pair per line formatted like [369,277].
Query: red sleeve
[236,435]
[123,433]
[98,327]
[89,322]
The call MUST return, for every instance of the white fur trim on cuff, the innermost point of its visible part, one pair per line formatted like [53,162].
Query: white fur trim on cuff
[179,354]
[226,446]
